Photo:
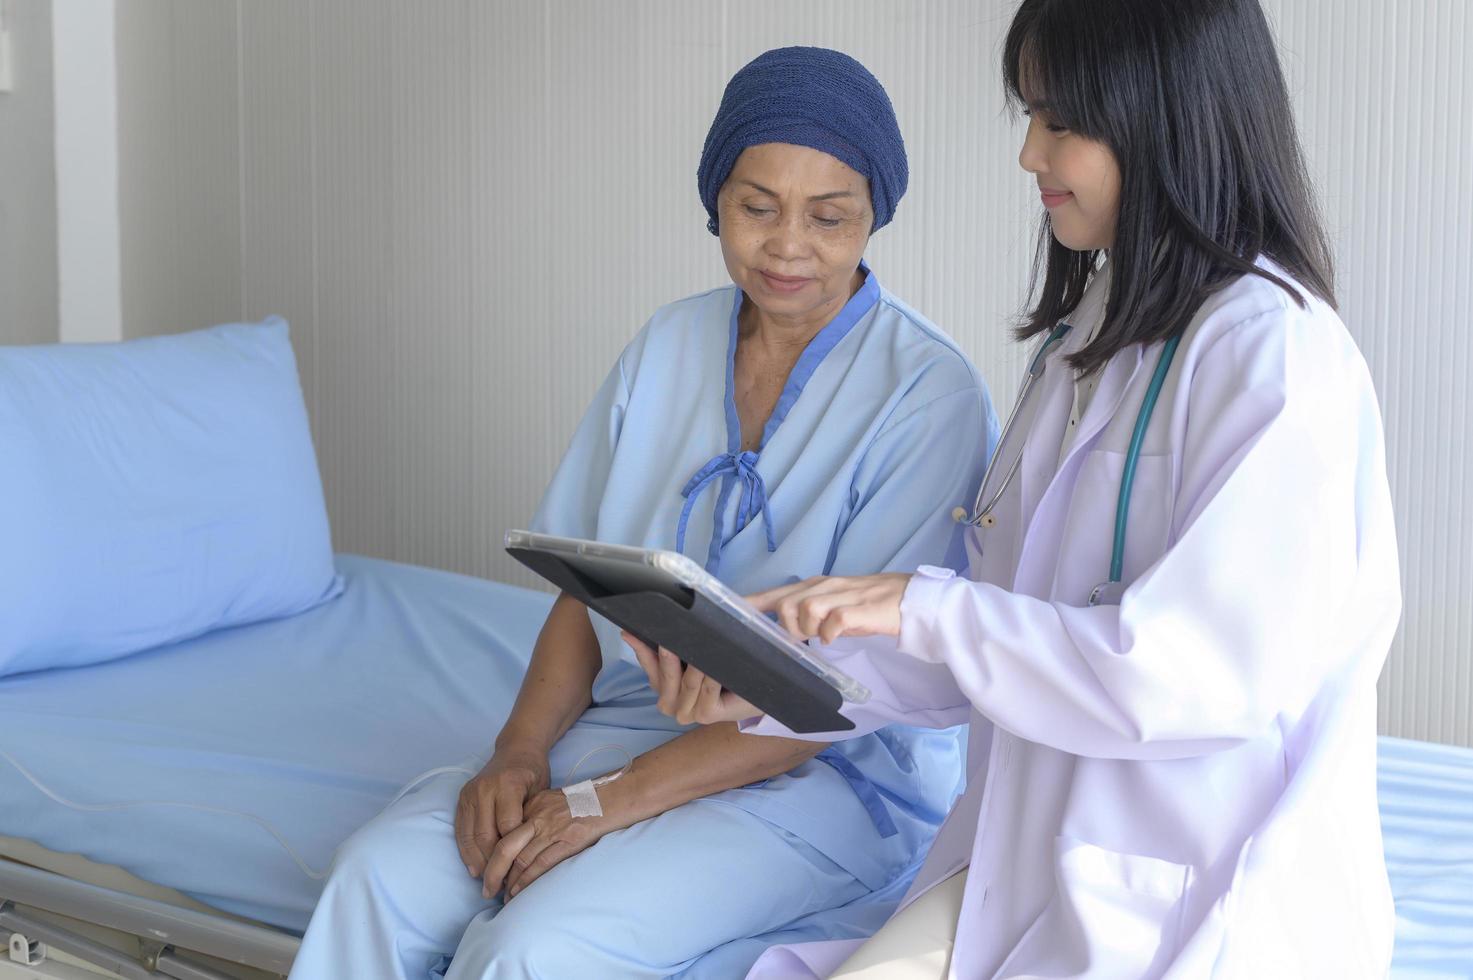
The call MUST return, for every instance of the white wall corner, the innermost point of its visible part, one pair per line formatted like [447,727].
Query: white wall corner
[89,268]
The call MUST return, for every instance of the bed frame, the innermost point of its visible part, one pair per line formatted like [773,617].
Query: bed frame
[50,922]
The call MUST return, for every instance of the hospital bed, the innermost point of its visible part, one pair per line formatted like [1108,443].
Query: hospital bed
[173,813]
[189,798]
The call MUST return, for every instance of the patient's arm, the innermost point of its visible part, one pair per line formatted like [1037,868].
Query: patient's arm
[698,763]
[557,689]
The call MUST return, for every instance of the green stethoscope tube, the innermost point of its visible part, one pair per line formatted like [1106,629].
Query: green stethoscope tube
[982,514]
[1133,455]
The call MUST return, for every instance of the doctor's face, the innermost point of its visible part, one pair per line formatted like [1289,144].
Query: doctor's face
[794,223]
[1078,180]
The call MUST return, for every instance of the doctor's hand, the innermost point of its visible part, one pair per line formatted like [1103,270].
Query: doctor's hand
[686,694]
[831,607]
[493,803]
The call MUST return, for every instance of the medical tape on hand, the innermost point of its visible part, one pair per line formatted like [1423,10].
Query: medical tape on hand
[583,797]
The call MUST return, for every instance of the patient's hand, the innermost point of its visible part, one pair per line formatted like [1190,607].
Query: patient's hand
[549,834]
[492,804]
[686,694]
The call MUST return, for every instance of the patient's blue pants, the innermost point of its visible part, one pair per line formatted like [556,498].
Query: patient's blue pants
[646,901]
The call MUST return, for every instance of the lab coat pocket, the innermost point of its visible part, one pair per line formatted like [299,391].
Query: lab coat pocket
[1112,915]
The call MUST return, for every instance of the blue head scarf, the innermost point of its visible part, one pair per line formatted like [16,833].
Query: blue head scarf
[810,97]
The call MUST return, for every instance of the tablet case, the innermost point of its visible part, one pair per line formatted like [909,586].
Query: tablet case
[705,637]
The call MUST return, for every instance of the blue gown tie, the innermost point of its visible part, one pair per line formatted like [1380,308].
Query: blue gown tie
[754,501]
[754,494]
[863,788]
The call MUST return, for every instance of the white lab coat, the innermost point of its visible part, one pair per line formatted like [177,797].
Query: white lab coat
[1181,785]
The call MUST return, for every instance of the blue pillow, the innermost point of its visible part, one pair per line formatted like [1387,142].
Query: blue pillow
[154,490]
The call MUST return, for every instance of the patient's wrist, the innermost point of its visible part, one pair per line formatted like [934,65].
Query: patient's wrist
[628,799]
[517,741]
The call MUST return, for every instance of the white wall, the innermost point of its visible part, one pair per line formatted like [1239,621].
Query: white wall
[28,186]
[88,240]
[466,209]
[1385,92]
[496,197]
[179,153]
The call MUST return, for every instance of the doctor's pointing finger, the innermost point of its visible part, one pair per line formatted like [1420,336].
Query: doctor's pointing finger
[828,608]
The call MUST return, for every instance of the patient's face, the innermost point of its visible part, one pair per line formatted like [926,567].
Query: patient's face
[794,223]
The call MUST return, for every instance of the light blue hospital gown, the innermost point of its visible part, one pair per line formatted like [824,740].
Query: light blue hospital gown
[882,429]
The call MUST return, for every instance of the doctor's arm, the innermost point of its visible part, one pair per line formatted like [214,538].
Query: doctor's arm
[1239,623]
[917,472]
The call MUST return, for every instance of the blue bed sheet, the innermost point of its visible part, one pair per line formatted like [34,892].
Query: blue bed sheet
[310,723]
[1426,794]
[313,723]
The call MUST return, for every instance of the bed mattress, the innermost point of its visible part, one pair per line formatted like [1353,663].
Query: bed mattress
[228,768]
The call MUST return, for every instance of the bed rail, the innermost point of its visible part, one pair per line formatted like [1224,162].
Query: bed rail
[157,924]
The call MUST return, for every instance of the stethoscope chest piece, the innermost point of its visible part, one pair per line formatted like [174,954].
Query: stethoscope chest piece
[1106,594]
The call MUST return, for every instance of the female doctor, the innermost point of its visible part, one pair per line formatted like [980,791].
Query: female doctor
[1183,571]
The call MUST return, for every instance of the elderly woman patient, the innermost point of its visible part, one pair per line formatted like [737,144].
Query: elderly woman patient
[801,421]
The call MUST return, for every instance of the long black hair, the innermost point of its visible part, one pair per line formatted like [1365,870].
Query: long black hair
[1189,97]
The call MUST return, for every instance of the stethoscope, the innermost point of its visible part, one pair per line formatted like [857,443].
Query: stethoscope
[983,515]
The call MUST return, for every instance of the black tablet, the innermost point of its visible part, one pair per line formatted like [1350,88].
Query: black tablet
[668,600]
